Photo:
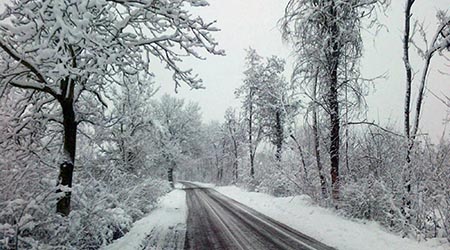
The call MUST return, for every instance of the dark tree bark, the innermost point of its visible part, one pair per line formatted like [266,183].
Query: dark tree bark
[406,61]
[235,152]
[250,136]
[219,174]
[302,157]
[170,176]
[323,180]
[334,141]
[217,163]
[252,163]
[235,161]
[67,166]
[333,101]
[407,112]
[315,128]
[278,136]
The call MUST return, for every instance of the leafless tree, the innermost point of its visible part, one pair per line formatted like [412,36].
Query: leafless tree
[327,42]
[73,50]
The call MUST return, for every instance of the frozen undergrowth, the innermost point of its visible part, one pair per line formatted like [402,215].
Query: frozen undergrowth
[300,213]
[163,228]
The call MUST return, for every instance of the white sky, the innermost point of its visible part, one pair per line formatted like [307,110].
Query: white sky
[246,23]
[254,23]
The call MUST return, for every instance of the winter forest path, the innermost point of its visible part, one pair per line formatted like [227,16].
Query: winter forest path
[218,222]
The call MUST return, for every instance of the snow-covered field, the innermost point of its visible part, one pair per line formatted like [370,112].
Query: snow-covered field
[163,228]
[325,225]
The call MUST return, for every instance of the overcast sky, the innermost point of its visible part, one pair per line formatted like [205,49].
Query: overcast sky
[246,23]
[254,23]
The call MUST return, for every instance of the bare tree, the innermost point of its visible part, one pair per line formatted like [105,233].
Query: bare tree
[248,93]
[315,128]
[439,42]
[233,125]
[74,49]
[327,41]
[177,126]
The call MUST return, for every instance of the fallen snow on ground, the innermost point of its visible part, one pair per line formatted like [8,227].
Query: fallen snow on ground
[163,228]
[325,225]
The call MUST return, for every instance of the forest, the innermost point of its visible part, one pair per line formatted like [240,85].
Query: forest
[89,144]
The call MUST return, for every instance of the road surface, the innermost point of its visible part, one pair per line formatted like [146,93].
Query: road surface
[218,222]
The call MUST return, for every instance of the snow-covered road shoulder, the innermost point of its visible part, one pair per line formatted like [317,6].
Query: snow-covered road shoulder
[325,225]
[163,228]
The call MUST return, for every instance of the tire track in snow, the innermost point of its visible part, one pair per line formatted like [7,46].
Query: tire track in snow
[218,222]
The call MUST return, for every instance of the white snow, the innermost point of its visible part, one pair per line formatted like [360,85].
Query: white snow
[170,216]
[298,212]
[325,225]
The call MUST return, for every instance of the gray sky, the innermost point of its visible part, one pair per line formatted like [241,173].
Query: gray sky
[254,23]
[246,23]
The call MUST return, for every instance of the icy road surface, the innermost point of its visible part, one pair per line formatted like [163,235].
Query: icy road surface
[218,222]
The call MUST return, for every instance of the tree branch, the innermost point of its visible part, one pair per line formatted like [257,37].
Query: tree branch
[375,125]
[32,68]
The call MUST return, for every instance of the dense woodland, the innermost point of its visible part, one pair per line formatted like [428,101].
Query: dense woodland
[87,146]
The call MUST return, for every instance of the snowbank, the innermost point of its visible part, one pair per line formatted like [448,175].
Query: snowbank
[324,225]
[164,225]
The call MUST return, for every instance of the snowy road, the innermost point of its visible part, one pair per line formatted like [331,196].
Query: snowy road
[217,222]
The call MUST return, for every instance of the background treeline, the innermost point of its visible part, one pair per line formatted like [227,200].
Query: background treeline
[121,169]
[281,147]
[310,135]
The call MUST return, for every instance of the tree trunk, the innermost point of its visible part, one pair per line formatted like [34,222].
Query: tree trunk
[235,153]
[279,136]
[235,170]
[333,103]
[217,163]
[252,163]
[67,166]
[235,161]
[315,128]
[250,137]
[323,181]
[170,176]
[407,112]
[334,142]
[302,157]
[219,175]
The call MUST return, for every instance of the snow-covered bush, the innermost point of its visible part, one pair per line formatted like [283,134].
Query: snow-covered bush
[102,212]
[372,181]
[106,197]
[368,199]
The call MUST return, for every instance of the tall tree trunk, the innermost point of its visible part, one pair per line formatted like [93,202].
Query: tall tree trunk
[250,137]
[170,176]
[235,161]
[217,163]
[279,136]
[219,175]
[235,153]
[252,163]
[407,112]
[315,128]
[302,157]
[334,140]
[334,103]
[235,170]
[67,166]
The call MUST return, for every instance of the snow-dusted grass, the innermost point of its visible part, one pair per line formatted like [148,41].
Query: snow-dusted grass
[169,216]
[325,225]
